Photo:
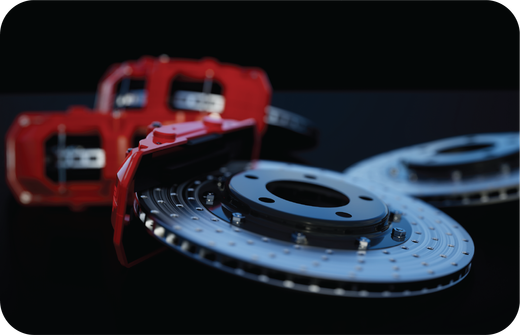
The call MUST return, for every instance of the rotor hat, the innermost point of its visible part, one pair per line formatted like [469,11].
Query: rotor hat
[465,170]
[316,198]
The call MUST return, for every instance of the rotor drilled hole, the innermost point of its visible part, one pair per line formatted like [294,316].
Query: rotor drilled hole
[268,200]
[343,214]
[250,176]
[365,198]
[310,176]
[494,194]
[475,196]
[210,256]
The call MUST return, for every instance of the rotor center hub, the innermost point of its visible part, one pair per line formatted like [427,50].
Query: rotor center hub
[307,193]
[465,148]
[465,156]
[316,201]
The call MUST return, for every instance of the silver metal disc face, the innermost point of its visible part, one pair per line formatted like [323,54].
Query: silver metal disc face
[460,171]
[431,253]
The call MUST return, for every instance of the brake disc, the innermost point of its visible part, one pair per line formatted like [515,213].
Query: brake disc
[289,131]
[307,229]
[460,171]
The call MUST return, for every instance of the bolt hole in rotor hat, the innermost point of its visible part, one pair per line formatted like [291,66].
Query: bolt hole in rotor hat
[287,225]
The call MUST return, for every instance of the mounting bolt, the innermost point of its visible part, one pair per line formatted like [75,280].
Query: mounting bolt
[210,198]
[156,124]
[128,150]
[299,238]
[398,233]
[238,218]
[364,242]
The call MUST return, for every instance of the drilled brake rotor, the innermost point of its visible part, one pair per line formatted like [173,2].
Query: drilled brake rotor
[459,171]
[307,229]
[288,131]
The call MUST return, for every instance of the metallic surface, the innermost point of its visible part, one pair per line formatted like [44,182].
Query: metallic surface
[437,256]
[236,138]
[289,131]
[199,101]
[288,120]
[80,158]
[460,171]
[121,116]
[250,187]
[118,120]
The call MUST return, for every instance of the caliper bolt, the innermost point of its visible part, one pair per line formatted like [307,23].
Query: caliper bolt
[399,233]
[364,242]
[238,218]
[299,238]
[210,198]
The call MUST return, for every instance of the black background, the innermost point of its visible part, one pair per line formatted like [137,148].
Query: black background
[66,47]
[372,76]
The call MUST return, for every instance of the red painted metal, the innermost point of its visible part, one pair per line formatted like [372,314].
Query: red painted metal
[246,90]
[247,94]
[158,142]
